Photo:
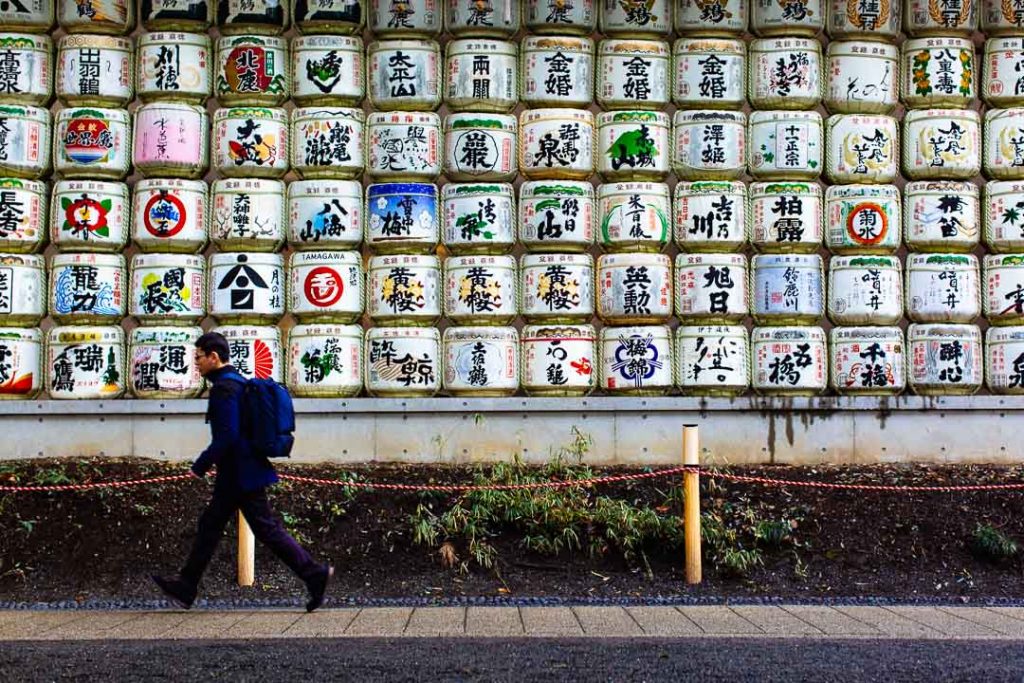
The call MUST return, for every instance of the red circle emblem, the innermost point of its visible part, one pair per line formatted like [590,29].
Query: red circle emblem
[867,224]
[164,215]
[323,286]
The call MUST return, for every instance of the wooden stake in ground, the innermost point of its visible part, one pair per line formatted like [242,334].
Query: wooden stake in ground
[691,504]
[246,553]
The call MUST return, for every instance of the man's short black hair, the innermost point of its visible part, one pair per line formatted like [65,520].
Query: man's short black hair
[214,342]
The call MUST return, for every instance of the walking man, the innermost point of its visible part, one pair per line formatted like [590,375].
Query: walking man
[242,478]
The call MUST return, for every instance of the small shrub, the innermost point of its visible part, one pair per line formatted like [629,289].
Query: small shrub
[772,533]
[993,544]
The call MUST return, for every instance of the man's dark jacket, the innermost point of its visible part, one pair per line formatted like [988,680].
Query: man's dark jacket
[237,468]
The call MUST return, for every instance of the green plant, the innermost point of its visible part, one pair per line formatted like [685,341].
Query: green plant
[772,533]
[993,544]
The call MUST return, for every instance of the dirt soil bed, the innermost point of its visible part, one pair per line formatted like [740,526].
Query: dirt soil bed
[103,545]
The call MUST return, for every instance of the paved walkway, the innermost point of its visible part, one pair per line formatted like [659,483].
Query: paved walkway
[786,621]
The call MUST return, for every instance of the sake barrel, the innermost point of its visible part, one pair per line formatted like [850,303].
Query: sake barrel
[941,215]
[557,288]
[634,145]
[787,289]
[248,215]
[633,74]
[1001,19]
[867,361]
[712,360]
[786,216]
[556,144]
[636,19]
[263,17]
[709,73]
[402,145]
[246,287]
[634,288]
[784,73]
[21,362]
[36,17]
[480,147]
[941,143]
[863,219]
[481,361]
[711,17]
[497,18]
[95,70]
[170,215]
[1003,302]
[556,70]
[24,215]
[1002,215]
[866,21]
[387,19]
[252,71]
[328,70]
[250,142]
[481,75]
[711,288]
[558,16]
[479,218]
[1000,75]
[637,360]
[861,148]
[168,289]
[1003,157]
[404,290]
[709,145]
[402,218]
[710,216]
[928,17]
[109,17]
[325,286]
[865,290]
[481,290]
[788,361]
[325,360]
[28,72]
[558,360]
[25,151]
[943,288]
[329,16]
[185,15]
[161,362]
[174,67]
[402,362]
[85,362]
[328,143]
[87,289]
[255,351]
[784,145]
[862,77]
[89,215]
[325,214]
[789,17]
[939,71]
[556,215]
[1004,360]
[945,359]
[22,289]
[634,216]
[404,75]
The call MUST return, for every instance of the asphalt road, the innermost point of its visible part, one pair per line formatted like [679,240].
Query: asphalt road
[519,660]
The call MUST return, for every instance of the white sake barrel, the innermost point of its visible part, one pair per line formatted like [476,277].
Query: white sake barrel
[787,289]
[87,288]
[1001,19]
[863,219]
[174,66]
[634,145]
[786,217]
[999,71]
[865,290]
[710,216]
[22,289]
[927,18]
[633,74]
[709,145]
[556,144]
[90,143]
[27,142]
[637,360]
[634,288]
[404,75]
[325,214]
[89,215]
[24,215]
[21,362]
[414,18]
[709,73]
[1002,216]
[328,16]
[1004,360]
[785,145]
[712,360]
[634,216]
[481,361]
[939,71]
[481,75]
[558,360]
[864,21]
[862,77]
[255,352]
[328,142]
[248,214]
[479,218]
[85,362]
[941,215]
[556,215]
[711,288]
[246,288]
[557,288]
[791,18]
[328,70]
[867,361]
[168,289]
[403,145]
[576,18]
[402,218]
[945,359]
[941,143]
[404,289]
[784,72]
[325,286]
[98,17]
[402,361]
[788,361]
[250,142]
[1003,154]
[35,18]
[481,290]
[496,18]
[95,71]
[711,17]
[861,148]
[647,19]
[170,215]
[161,362]
[943,288]
[556,70]
[325,360]
[1003,303]
[29,66]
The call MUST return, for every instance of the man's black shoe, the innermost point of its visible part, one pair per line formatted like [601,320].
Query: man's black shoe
[317,587]
[177,590]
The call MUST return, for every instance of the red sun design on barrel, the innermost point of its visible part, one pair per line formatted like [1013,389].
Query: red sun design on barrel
[867,224]
[323,286]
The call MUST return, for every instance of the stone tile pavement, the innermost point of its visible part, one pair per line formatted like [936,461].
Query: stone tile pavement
[776,621]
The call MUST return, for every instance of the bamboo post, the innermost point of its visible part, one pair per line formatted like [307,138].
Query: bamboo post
[691,504]
[246,553]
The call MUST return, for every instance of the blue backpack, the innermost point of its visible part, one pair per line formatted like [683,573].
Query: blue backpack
[268,417]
